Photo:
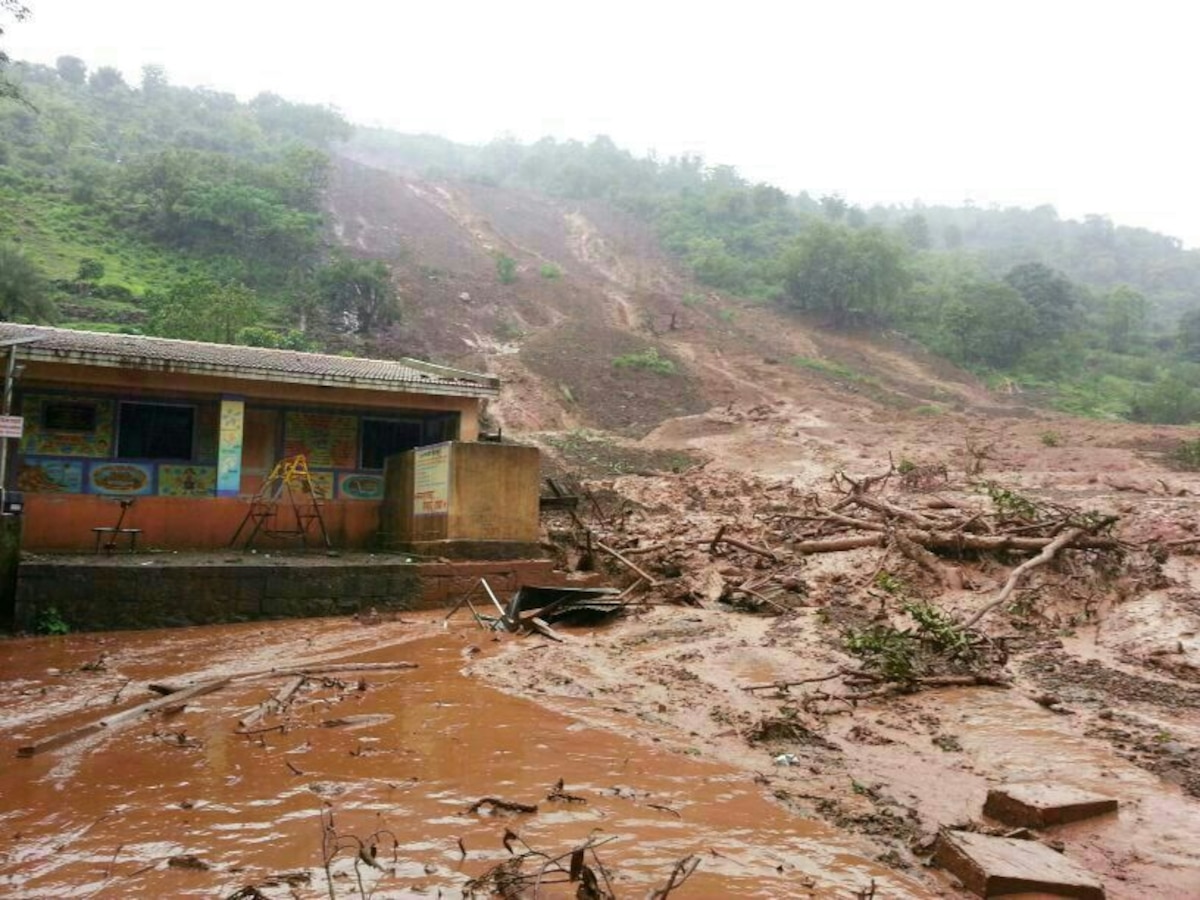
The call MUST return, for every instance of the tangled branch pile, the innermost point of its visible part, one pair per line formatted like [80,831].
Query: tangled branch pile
[707,537]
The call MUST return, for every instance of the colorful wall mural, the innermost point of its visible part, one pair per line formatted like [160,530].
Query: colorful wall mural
[360,486]
[187,481]
[328,441]
[229,452]
[50,476]
[125,478]
[62,426]
[70,447]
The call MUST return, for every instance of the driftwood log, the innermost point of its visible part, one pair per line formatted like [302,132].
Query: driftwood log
[171,701]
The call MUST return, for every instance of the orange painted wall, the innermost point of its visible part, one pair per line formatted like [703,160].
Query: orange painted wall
[64,522]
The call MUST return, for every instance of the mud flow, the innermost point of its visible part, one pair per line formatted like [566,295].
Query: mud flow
[181,805]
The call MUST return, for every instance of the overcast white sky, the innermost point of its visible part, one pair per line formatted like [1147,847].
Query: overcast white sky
[1089,106]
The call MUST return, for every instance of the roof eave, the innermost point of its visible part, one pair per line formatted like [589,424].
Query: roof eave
[483,388]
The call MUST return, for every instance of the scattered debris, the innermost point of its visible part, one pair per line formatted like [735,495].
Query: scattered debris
[558,793]
[188,861]
[511,879]
[495,804]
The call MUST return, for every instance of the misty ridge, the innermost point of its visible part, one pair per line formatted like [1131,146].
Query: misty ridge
[184,212]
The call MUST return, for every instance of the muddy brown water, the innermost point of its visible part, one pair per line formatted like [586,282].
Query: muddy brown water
[104,817]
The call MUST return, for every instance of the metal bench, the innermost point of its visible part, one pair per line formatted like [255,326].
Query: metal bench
[116,532]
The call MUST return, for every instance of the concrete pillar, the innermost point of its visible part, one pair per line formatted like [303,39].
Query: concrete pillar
[10,561]
[229,447]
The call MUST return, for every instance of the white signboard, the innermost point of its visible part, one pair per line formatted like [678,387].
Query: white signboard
[431,481]
[12,426]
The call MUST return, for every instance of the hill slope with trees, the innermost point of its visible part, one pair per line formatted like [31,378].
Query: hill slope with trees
[175,211]
[186,212]
[1101,319]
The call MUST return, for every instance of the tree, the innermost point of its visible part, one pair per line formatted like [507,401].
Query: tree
[1050,293]
[71,69]
[835,207]
[359,293]
[258,336]
[1189,335]
[915,229]
[154,78]
[850,276]
[1124,313]
[20,12]
[988,324]
[201,309]
[1170,401]
[106,80]
[23,296]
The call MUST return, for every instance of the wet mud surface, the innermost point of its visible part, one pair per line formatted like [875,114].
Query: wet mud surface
[895,770]
[180,805]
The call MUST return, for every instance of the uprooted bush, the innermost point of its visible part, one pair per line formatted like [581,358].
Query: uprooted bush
[936,643]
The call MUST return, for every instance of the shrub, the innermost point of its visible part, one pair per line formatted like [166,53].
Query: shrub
[646,360]
[550,272]
[90,269]
[50,621]
[506,269]
[1051,438]
[1187,454]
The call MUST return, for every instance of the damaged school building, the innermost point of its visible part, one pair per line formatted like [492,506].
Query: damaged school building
[150,444]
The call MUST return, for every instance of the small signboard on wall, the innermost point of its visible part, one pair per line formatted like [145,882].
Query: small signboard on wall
[431,481]
[12,426]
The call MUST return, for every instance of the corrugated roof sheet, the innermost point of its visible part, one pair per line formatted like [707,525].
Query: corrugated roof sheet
[165,354]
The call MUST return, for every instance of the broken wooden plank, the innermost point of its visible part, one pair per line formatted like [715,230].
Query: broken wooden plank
[1037,805]
[59,740]
[652,582]
[359,721]
[541,626]
[992,866]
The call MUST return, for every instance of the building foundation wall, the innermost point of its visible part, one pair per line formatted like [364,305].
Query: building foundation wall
[119,594]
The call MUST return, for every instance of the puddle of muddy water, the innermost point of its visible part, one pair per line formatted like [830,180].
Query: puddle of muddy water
[103,818]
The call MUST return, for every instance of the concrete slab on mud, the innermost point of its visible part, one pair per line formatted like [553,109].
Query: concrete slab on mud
[1037,805]
[993,866]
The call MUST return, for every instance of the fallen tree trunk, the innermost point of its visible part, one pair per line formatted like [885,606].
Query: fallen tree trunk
[941,540]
